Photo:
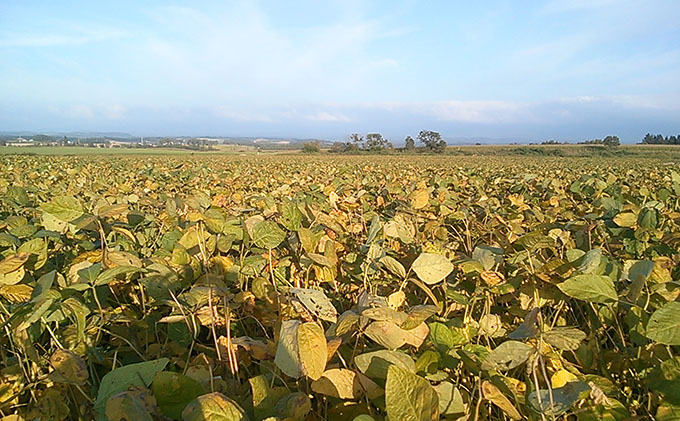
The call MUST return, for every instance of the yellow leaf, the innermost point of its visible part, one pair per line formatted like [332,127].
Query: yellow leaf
[16,293]
[13,262]
[561,378]
[492,278]
[396,299]
[419,198]
[68,367]
[13,278]
[313,349]
[338,383]
[495,396]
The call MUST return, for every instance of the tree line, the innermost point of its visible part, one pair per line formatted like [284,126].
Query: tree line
[429,140]
[610,141]
[659,139]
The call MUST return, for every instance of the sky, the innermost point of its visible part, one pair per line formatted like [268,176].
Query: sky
[567,70]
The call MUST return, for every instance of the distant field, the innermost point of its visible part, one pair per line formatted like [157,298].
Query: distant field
[77,150]
[641,151]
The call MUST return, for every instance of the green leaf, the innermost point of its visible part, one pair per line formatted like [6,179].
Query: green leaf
[37,247]
[668,412]
[173,391]
[432,268]
[65,208]
[417,315]
[441,336]
[268,234]
[593,288]
[126,406]
[562,397]
[665,380]
[488,256]
[110,274]
[591,261]
[264,397]
[638,272]
[293,406]
[648,218]
[213,407]
[664,324]
[291,217]
[508,355]
[118,380]
[409,397]
[450,399]
[564,338]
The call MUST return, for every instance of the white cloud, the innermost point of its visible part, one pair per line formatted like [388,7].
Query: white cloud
[463,111]
[529,112]
[77,36]
[327,117]
[283,114]
[237,52]
[224,112]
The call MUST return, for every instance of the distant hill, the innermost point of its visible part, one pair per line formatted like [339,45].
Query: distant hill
[73,135]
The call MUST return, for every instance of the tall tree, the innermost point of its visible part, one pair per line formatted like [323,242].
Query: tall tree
[611,141]
[376,142]
[432,141]
[409,143]
[356,139]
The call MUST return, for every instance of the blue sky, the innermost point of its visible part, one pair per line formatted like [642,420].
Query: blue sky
[532,70]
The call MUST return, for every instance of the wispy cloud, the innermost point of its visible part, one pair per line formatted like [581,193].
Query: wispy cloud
[66,38]
[324,116]
[463,111]
[259,117]
[87,112]
[284,114]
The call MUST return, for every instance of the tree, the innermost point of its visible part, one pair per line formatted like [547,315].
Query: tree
[611,141]
[356,139]
[409,143]
[659,139]
[311,147]
[432,141]
[375,142]
[344,147]
[42,138]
